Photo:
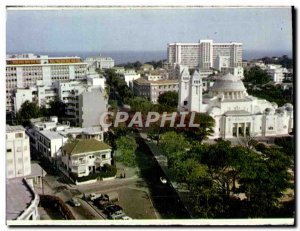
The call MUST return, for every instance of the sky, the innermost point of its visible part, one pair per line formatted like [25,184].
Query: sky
[66,30]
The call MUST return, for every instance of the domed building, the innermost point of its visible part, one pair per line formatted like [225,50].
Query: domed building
[236,113]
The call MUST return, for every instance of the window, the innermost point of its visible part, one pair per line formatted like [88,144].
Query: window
[19,135]
[270,128]
[103,156]
[8,150]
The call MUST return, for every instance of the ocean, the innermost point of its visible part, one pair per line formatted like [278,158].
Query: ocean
[122,57]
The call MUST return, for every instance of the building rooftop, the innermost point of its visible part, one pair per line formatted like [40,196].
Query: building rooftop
[51,134]
[18,197]
[84,145]
[228,82]
[87,130]
[17,128]
[165,81]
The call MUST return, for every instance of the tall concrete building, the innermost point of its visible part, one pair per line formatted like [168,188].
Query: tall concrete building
[29,70]
[17,152]
[206,54]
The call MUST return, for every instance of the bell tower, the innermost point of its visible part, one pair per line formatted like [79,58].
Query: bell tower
[195,93]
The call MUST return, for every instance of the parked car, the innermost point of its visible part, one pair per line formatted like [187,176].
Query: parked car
[74,202]
[126,218]
[94,196]
[111,196]
[116,215]
[112,209]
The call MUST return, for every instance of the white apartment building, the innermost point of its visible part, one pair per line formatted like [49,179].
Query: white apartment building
[48,136]
[205,54]
[26,70]
[99,62]
[84,102]
[276,72]
[128,75]
[21,199]
[17,152]
[40,94]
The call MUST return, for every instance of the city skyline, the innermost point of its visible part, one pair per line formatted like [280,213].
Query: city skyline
[104,30]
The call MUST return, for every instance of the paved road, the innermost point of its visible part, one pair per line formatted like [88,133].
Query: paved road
[164,197]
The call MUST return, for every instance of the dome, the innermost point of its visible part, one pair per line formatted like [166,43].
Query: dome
[228,82]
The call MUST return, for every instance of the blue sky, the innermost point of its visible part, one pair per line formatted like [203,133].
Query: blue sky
[267,29]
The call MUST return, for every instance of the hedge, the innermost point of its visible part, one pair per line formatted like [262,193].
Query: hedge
[107,171]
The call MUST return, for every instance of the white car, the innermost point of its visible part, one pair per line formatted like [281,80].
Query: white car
[163,180]
[126,218]
[94,196]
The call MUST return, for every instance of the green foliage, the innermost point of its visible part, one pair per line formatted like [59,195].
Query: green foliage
[156,64]
[205,129]
[27,111]
[284,60]
[213,172]
[273,94]
[257,76]
[126,147]
[173,145]
[139,104]
[287,144]
[169,98]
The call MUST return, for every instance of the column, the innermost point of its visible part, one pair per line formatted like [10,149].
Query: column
[245,129]
[237,129]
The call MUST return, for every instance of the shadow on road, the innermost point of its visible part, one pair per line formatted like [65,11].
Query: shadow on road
[163,196]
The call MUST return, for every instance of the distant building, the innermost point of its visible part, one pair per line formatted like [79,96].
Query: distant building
[205,54]
[147,67]
[21,199]
[128,75]
[29,70]
[276,72]
[85,156]
[151,89]
[99,62]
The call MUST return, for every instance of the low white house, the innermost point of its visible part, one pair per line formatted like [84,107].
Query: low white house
[48,136]
[85,156]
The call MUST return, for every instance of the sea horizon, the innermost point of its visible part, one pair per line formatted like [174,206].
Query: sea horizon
[122,57]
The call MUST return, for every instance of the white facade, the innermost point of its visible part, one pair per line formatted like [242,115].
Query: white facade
[86,161]
[205,54]
[236,71]
[21,199]
[129,75]
[47,137]
[25,71]
[276,72]
[84,102]
[40,94]
[235,112]
[17,152]
[99,62]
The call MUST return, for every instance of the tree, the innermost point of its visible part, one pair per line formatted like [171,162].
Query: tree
[257,76]
[202,132]
[57,108]
[126,147]
[27,111]
[173,145]
[169,99]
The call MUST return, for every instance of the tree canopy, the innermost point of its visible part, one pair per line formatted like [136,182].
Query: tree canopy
[126,147]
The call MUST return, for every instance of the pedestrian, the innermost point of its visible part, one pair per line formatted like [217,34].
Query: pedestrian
[124,175]
[121,176]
